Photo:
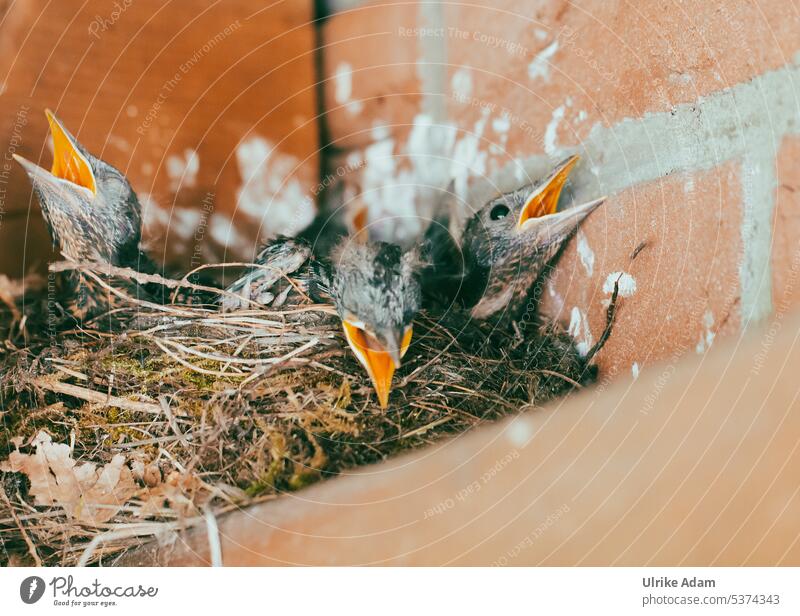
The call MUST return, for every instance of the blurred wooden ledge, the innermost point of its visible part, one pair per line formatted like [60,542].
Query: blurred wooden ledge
[694,463]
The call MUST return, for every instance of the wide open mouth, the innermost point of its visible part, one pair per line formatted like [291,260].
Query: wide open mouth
[68,162]
[379,361]
[544,199]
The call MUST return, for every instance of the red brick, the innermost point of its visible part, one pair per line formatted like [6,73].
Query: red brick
[687,274]
[257,79]
[25,245]
[372,49]
[613,61]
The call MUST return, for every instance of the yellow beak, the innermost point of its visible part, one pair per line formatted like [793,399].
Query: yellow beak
[68,162]
[379,362]
[544,199]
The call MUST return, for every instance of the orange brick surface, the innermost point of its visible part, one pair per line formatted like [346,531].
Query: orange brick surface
[682,288]
[169,93]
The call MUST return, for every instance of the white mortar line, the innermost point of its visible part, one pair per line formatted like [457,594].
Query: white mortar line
[432,65]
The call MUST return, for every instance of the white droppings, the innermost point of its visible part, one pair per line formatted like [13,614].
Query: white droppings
[132,111]
[579,330]
[635,370]
[343,89]
[539,68]
[355,107]
[461,83]
[154,218]
[354,160]
[270,192]
[224,233]
[706,337]
[555,296]
[540,34]
[502,124]
[147,168]
[551,131]
[627,284]
[343,83]
[119,142]
[185,221]
[582,115]
[468,159]
[585,253]
[380,131]
[520,431]
[182,169]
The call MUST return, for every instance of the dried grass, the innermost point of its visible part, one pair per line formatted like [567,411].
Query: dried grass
[215,411]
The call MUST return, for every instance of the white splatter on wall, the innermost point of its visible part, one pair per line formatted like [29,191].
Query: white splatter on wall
[182,169]
[585,253]
[222,230]
[343,88]
[461,83]
[539,68]
[551,131]
[343,83]
[579,330]
[270,194]
[627,283]
[708,335]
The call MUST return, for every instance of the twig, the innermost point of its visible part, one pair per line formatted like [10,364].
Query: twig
[90,395]
[23,532]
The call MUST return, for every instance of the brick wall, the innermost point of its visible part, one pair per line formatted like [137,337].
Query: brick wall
[687,118]
[184,98]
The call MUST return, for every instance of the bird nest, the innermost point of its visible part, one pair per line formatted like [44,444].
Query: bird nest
[116,435]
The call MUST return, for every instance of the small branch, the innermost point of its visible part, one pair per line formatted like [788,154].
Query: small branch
[90,395]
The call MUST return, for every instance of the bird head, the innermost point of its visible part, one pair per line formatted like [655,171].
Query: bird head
[513,237]
[376,290]
[89,206]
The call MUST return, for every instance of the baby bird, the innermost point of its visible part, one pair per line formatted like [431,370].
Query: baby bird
[374,286]
[376,289]
[92,214]
[508,243]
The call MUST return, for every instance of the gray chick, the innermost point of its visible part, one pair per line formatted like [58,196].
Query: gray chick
[92,214]
[508,243]
[374,286]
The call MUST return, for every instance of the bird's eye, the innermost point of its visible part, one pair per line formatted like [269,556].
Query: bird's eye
[498,211]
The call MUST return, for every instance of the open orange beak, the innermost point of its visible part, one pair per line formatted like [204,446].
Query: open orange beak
[544,199]
[379,361]
[68,162]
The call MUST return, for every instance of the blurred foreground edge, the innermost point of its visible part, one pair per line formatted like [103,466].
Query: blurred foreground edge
[693,463]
